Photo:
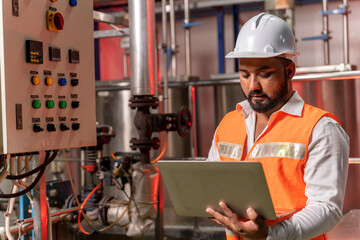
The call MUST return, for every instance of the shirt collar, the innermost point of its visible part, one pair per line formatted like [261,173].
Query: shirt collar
[294,106]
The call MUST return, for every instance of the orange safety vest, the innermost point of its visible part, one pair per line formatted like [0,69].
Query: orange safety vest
[282,150]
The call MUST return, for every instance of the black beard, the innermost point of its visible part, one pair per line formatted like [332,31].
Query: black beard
[263,107]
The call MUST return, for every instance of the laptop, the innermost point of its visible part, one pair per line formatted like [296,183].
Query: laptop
[195,185]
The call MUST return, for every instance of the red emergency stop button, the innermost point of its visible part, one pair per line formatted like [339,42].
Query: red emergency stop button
[58,21]
[54,21]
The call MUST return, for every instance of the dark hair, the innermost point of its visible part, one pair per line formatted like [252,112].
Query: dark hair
[285,61]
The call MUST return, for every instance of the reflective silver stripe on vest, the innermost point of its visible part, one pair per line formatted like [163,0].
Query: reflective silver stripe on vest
[279,149]
[230,150]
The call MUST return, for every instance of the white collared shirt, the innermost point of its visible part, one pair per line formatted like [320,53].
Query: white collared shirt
[324,174]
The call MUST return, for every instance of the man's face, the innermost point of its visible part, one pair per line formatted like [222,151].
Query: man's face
[265,82]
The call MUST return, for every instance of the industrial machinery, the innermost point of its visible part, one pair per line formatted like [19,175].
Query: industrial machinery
[48,104]
[95,145]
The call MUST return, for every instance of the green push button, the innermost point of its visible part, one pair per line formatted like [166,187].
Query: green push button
[50,104]
[36,104]
[62,104]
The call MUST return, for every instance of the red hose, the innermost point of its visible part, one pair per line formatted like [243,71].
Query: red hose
[82,207]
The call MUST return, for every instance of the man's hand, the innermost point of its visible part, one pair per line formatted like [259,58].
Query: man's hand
[255,228]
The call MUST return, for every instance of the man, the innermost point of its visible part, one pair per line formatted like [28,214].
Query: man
[303,149]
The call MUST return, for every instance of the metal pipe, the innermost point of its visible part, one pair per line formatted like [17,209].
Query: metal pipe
[165,58]
[193,132]
[173,39]
[187,38]
[235,9]
[220,13]
[143,70]
[55,217]
[82,171]
[326,31]
[125,65]
[346,33]
[228,79]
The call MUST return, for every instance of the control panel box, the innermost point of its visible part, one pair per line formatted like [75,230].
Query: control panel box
[47,79]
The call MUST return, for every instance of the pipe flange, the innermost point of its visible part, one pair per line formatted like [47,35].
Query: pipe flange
[144,144]
[143,101]
[70,202]
[102,215]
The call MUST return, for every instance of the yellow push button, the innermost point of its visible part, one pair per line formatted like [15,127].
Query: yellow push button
[35,80]
[49,81]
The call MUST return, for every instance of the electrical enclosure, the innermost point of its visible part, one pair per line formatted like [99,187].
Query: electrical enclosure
[47,89]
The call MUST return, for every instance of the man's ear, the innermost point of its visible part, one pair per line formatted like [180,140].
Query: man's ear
[290,70]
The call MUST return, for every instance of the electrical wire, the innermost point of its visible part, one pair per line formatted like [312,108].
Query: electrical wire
[9,211]
[3,171]
[73,189]
[18,184]
[20,226]
[35,182]
[82,207]
[27,168]
[47,161]
[163,150]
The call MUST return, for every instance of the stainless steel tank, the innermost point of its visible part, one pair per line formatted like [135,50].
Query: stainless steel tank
[226,98]
[112,108]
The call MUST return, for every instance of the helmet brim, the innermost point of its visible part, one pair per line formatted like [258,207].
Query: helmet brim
[288,55]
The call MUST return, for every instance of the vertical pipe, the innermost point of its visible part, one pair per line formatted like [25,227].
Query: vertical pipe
[165,58]
[173,39]
[159,224]
[24,207]
[143,70]
[125,67]
[40,206]
[221,46]
[326,31]
[82,171]
[187,38]
[97,53]
[193,132]
[346,34]
[235,11]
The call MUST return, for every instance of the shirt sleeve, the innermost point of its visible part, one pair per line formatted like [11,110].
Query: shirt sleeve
[325,176]
[213,153]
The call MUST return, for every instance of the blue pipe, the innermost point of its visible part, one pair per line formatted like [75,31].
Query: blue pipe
[24,203]
[235,9]
[221,40]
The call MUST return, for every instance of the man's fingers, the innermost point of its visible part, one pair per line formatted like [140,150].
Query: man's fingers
[254,216]
[217,221]
[228,212]
[221,219]
[251,214]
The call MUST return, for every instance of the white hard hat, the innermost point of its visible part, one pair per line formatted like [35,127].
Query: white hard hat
[264,36]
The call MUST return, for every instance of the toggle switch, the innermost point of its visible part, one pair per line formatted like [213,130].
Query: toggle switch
[74,82]
[51,127]
[75,126]
[75,104]
[64,127]
[37,128]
